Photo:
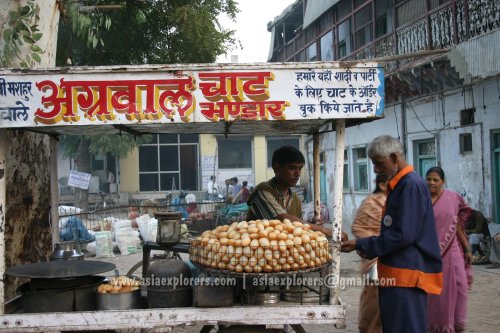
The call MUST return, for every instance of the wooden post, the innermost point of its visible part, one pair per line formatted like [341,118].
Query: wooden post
[338,183]
[54,192]
[316,176]
[3,210]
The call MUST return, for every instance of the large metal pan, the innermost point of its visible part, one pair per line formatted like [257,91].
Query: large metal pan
[60,269]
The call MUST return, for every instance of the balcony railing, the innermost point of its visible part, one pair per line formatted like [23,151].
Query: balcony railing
[442,27]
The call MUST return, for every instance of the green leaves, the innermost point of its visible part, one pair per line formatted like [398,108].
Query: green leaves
[159,32]
[87,26]
[7,35]
[36,57]
[22,28]
[37,36]
[116,145]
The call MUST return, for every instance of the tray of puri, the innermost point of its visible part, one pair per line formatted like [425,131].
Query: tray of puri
[261,247]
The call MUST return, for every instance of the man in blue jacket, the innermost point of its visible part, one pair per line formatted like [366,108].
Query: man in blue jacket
[409,264]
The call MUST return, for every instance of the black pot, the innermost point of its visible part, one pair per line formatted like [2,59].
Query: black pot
[66,251]
[169,284]
[66,299]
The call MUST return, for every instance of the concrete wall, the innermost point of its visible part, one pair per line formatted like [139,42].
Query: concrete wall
[437,117]
[129,172]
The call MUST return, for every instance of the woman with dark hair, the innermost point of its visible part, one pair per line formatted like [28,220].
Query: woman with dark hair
[366,224]
[243,194]
[447,312]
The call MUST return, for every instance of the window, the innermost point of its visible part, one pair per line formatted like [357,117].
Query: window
[344,36]
[496,141]
[465,143]
[467,116]
[274,143]
[408,10]
[344,8]
[363,27]
[299,57]
[383,18]
[495,153]
[360,169]
[425,155]
[169,162]
[234,153]
[310,33]
[312,54]
[326,44]
[97,162]
[435,3]
[326,21]
[346,171]
[358,3]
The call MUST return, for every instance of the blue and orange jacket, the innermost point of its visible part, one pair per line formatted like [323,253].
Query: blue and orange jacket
[407,247]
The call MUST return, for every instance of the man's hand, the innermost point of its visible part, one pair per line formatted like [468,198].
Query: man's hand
[318,221]
[348,246]
[497,237]
[344,237]
[468,257]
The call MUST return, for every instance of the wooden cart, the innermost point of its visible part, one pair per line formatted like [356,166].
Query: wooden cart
[291,98]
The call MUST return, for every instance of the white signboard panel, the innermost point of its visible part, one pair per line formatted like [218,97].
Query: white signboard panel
[193,94]
[208,164]
[79,179]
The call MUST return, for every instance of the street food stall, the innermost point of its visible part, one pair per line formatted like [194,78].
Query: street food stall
[265,99]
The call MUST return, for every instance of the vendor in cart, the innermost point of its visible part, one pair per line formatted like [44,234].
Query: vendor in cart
[274,199]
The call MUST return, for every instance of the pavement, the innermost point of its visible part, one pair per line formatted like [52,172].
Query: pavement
[483,304]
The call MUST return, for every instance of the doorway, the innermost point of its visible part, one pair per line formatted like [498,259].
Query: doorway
[496,174]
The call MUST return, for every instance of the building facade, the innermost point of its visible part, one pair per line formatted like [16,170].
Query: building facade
[442,90]
[173,162]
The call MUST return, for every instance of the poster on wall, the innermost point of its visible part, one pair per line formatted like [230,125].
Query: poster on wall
[79,179]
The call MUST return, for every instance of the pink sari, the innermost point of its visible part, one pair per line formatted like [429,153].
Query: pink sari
[447,312]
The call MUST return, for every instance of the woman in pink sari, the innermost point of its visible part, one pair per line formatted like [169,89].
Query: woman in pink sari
[366,224]
[447,312]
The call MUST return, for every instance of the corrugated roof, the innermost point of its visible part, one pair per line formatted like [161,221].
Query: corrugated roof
[477,57]
[283,14]
[315,9]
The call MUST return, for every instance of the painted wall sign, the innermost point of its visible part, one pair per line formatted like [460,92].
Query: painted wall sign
[79,179]
[206,95]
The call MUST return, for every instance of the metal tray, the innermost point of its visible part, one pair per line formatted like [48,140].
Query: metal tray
[215,271]
[60,269]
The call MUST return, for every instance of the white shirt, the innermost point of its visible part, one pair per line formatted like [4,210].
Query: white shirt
[212,187]
[111,178]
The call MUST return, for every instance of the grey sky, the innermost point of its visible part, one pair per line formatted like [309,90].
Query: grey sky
[251,27]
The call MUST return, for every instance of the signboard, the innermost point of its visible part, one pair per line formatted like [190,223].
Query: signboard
[138,95]
[208,164]
[79,179]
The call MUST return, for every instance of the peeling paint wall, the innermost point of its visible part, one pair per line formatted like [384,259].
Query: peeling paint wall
[438,117]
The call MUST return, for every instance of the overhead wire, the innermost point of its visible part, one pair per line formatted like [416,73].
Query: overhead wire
[425,128]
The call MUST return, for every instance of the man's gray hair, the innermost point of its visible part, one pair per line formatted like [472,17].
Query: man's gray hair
[384,146]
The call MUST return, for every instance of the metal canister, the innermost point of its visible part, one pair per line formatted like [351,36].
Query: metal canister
[169,284]
[66,251]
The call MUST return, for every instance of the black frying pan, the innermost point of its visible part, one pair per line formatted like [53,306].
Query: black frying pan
[60,269]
